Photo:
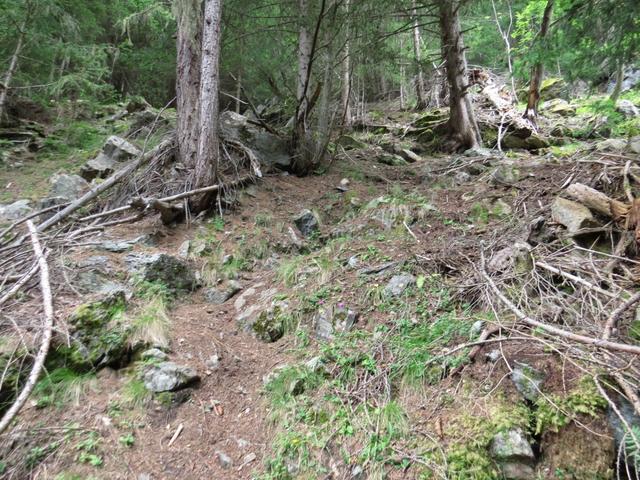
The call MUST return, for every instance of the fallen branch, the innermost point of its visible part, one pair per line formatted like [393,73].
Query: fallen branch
[610,325]
[107,184]
[597,201]
[47,302]
[575,278]
[20,283]
[596,342]
[143,204]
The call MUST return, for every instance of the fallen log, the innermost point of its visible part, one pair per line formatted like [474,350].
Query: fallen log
[598,201]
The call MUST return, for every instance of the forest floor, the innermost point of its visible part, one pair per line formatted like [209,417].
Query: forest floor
[383,400]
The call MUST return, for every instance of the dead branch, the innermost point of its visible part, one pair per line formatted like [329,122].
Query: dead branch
[583,339]
[597,201]
[610,325]
[575,278]
[20,283]
[47,302]
[107,184]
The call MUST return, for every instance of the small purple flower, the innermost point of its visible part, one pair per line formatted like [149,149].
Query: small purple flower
[341,305]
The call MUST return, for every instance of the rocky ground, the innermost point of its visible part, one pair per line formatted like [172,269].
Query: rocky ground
[323,327]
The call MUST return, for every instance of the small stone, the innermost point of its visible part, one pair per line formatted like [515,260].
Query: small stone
[573,215]
[461,177]
[218,296]
[307,222]
[494,355]
[116,246]
[398,284]
[477,327]
[344,182]
[213,362]
[612,145]
[392,160]
[168,377]
[153,353]
[15,210]
[224,460]
[250,457]
[478,152]
[627,109]
[353,261]
[527,381]
[511,445]
[315,364]
[357,473]
[242,443]
[69,187]
[183,251]
[159,267]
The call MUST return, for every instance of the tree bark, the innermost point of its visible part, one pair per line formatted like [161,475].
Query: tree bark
[304,57]
[533,98]
[206,167]
[189,43]
[13,65]
[421,101]
[345,94]
[619,79]
[463,128]
[302,148]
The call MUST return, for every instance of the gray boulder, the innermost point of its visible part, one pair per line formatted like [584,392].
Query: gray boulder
[168,377]
[271,150]
[307,222]
[612,145]
[398,284]
[15,210]
[627,108]
[259,314]
[572,215]
[69,187]
[159,267]
[115,151]
[327,322]
[634,144]
[527,381]
[514,454]
[219,295]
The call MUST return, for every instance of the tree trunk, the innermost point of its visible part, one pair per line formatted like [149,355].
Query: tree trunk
[206,167]
[345,94]
[13,65]
[462,123]
[189,58]
[533,99]
[619,79]
[302,148]
[421,102]
[304,57]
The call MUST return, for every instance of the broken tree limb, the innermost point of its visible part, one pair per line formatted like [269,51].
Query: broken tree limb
[47,301]
[597,201]
[20,283]
[146,203]
[610,325]
[160,149]
[574,278]
[550,329]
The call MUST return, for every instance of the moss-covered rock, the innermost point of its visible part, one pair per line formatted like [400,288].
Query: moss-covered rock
[98,335]
[269,325]
[161,268]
